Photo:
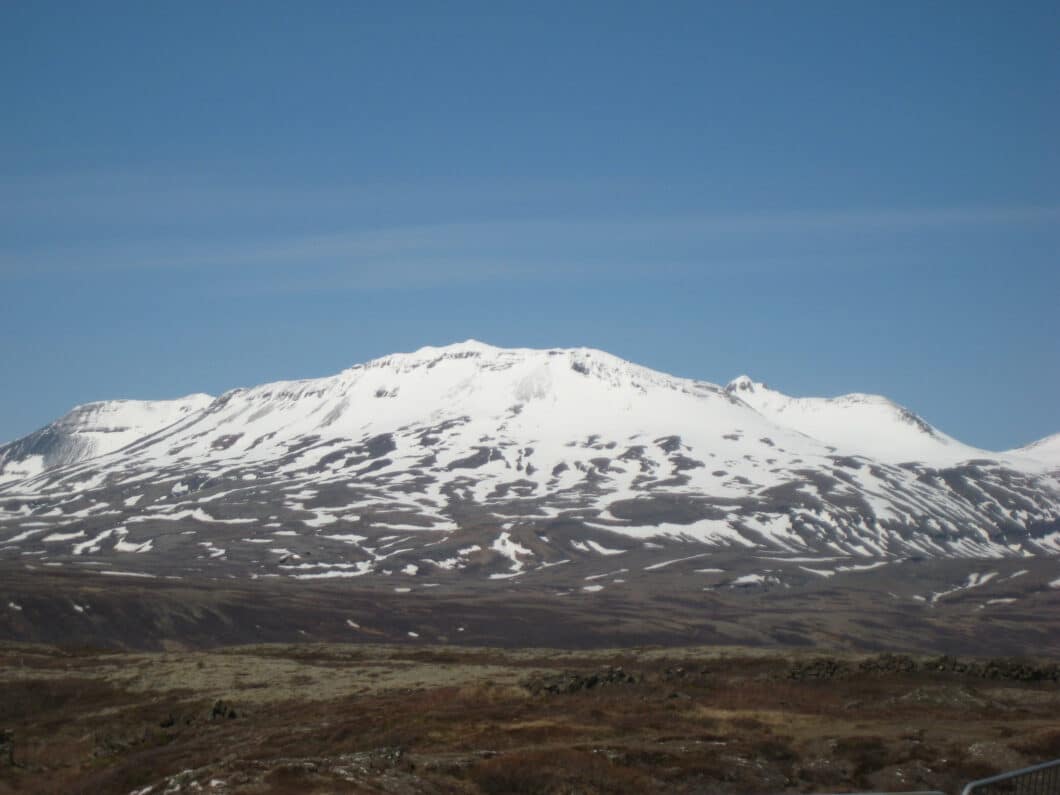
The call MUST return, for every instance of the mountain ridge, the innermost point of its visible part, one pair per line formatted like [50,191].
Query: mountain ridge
[79,435]
[772,404]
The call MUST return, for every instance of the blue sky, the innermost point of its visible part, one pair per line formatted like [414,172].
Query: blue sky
[831,197]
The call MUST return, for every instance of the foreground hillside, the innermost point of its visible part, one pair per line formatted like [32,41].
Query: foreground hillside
[385,719]
[1006,606]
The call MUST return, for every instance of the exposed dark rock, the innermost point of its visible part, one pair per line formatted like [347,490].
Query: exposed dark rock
[7,748]
[223,710]
[820,668]
[481,456]
[225,441]
[572,682]
[669,444]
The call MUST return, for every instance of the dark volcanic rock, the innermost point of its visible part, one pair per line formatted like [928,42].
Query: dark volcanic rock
[223,710]
[7,748]
[572,682]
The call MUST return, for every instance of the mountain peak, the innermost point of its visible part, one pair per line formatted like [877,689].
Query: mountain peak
[431,354]
[466,346]
[479,356]
[743,383]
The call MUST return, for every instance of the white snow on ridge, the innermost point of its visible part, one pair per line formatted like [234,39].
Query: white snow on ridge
[708,531]
[975,580]
[113,573]
[546,397]
[96,429]
[665,563]
[819,572]
[592,546]
[751,579]
[511,550]
[455,562]
[1044,452]
[857,424]
[16,470]
[864,567]
[63,536]
[93,544]
[121,545]
[560,394]
[601,549]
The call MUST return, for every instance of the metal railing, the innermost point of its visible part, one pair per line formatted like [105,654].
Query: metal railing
[1039,779]
[1043,779]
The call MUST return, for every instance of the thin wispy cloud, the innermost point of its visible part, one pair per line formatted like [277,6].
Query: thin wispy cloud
[122,197]
[489,248]
[130,197]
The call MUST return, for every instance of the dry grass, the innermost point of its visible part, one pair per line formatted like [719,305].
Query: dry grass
[335,719]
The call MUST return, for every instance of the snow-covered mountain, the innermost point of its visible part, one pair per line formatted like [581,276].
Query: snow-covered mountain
[91,430]
[1046,451]
[872,425]
[475,461]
